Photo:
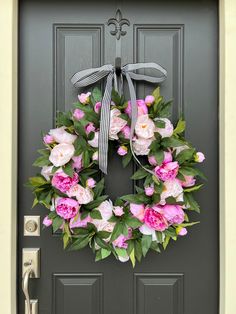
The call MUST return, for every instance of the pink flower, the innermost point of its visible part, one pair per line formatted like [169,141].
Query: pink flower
[48,139]
[77,162]
[149,190]
[167,131]
[118,210]
[174,214]
[149,100]
[76,222]
[66,207]
[121,240]
[63,182]
[152,160]
[95,156]
[47,222]
[90,128]
[126,132]
[90,183]
[116,124]
[84,98]
[155,220]
[83,195]
[189,181]
[199,157]
[172,188]
[122,150]
[137,210]
[142,107]
[94,141]
[167,157]
[144,127]
[78,114]
[167,170]
[106,210]
[182,232]
[97,107]
[46,172]
[61,136]
[61,154]
[141,146]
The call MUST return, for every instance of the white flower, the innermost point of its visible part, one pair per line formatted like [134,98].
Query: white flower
[61,136]
[144,127]
[144,229]
[116,124]
[172,188]
[123,259]
[141,146]
[167,131]
[103,225]
[106,209]
[83,195]
[94,141]
[61,154]
[46,172]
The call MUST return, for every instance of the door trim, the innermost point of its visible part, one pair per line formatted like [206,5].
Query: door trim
[8,165]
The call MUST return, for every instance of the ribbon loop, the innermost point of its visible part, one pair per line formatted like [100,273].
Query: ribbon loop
[93,75]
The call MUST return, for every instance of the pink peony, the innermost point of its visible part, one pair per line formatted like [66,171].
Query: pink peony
[126,132]
[149,100]
[78,114]
[121,240]
[76,222]
[61,136]
[167,131]
[90,128]
[142,107]
[63,182]
[66,207]
[144,127]
[47,222]
[83,195]
[61,154]
[174,214]
[149,190]
[84,98]
[172,188]
[199,157]
[97,107]
[189,181]
[167,170]
[137,210]
[90,183]
[155,220]
[122,150]
[141,146]
[118,210]
[116,124]
[48,139]
[77,162]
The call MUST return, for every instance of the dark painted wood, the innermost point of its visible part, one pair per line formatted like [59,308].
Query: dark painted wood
[58,38]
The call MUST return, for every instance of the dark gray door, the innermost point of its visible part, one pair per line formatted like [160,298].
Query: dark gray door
[58,38]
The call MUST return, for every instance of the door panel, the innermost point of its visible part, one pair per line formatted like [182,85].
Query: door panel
[58,38]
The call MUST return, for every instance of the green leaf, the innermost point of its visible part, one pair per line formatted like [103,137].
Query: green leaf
[42,161]
[121,252]
[132,258]
[156,198]
[63,119]
[170,232]
[44,152]
[155,247]
[180,127]
[127,158]
[193,188]
[86,159]
[172,142]
[96,202]
[146,243]
[68,169]
[101,243]
[159,123]
[133,222]
[99,188]
[139,174]
[105,253]
[80,243]
[189,224]
[118,229]
[138,250]
[159,156]
[139,190]
[103,234]
[135,198]
[97,94]
[189,171]
[79,129]
[57,223]
[163,110]
[37,181]
[66,240]
[115,97]
[95,214]
[189,200]
[185,155]
[156,93]
[166,242]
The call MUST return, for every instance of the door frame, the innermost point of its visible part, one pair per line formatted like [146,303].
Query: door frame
[8,165]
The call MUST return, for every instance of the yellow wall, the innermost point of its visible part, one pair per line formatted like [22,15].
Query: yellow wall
[8,174]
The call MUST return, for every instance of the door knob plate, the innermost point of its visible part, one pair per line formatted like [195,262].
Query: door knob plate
[32,226]
[34,307]
[31,259]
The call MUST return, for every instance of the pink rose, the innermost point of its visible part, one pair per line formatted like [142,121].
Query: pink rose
[167,131]
[116,124]
[172,188]
[189,181]
[76,222]
[78,114]
[155,220]
[182,232]
[149,100]
[63,182]
[141,146]
[126,132]
[144,127]
[61,154]
[174,214]
[137,210]
[97,107]
[149,190]
[47,222]
[84,98]
[122,150]
[199,157]
[66,207]
[61,136]
[142,107]
[167,170]
[90,183]
[48,139]
[94,141]
[118,210]
[83,195]
[77,162]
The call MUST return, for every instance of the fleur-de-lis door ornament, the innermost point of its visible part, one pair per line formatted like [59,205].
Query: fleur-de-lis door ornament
[118,21]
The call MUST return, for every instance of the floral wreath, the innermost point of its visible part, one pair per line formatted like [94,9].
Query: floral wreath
[71,187]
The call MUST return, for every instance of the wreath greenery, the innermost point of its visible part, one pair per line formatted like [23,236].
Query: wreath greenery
[71,185]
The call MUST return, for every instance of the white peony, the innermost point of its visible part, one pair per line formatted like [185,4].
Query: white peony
[61,136]
[103,225]
[144,127]
[144,229]
[172,188]
[116,124]
[83,195]
[106,209]
[141,146]
[61,154]
[167,131]
[46,172]
[94,141]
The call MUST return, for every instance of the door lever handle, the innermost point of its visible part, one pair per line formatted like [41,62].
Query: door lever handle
[25,287]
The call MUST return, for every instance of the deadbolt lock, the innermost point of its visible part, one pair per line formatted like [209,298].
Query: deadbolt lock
[32,226]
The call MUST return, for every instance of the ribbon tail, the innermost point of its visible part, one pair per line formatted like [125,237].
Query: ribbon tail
[105,125]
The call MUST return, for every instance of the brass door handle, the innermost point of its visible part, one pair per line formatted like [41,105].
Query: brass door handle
[25,288]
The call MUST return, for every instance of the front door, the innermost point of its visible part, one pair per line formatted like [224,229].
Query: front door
[58,38]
